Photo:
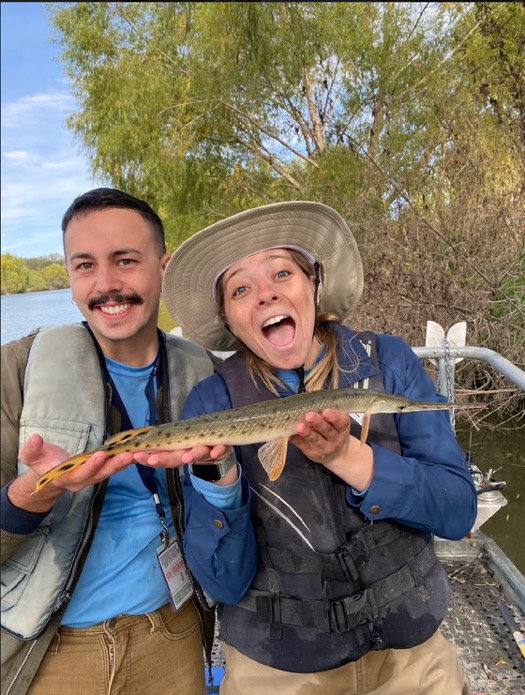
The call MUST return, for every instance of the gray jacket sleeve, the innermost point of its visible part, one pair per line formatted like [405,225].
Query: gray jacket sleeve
[13,363]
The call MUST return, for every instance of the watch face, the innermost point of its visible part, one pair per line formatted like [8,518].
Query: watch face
[206,471]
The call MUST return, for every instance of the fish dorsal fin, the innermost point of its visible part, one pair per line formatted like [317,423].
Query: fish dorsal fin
[272,456]
[123,437]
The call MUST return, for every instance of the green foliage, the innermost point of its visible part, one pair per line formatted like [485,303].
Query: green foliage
[37,282]
[32,274]
[55,276]
[42,261]
[15,274]
[209,108]
[406,117]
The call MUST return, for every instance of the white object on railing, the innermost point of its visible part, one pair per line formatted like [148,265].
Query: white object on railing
[488,504]
[456,336]
[446,365]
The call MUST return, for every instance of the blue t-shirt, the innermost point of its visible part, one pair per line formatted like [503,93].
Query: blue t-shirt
[121,573]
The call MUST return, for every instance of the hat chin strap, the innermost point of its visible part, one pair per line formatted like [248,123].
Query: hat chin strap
[227,327]
[299,370]
[317,268]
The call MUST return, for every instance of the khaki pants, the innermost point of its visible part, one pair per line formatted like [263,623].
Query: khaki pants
[157,653]
[432,668]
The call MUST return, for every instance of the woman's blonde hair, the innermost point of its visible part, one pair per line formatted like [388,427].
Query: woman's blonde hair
[325,372]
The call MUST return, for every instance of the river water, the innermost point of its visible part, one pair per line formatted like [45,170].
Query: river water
[500,450]
[20,313]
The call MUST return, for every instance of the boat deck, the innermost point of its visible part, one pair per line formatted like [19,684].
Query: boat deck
[490,656]
[481,577]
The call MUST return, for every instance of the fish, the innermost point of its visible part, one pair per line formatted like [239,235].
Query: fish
[269,422]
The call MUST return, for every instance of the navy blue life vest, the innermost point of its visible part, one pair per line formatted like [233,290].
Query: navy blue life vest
[330,585]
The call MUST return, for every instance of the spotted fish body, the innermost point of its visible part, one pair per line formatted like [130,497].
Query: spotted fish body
[270,421]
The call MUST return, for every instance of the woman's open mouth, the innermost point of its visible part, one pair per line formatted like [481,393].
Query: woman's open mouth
[279,330]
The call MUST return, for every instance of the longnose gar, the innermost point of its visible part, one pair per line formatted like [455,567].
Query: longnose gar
[271,421]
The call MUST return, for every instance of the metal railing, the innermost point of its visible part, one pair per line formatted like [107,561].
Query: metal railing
[443,355]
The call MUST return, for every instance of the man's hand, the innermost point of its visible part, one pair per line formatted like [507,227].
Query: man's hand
[41,456]
[201,452]
[174,459]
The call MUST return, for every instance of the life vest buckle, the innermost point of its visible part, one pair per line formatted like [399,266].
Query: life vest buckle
[344,613]
[351,557]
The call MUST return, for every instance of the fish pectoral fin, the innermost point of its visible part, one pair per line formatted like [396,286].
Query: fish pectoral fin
[365,427]
[272,456]
[61,469]
[123,437]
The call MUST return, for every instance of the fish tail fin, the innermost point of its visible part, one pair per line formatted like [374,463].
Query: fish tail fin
[62,468]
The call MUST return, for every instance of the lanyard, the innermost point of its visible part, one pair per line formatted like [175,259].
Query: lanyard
[146,474]
[148,478]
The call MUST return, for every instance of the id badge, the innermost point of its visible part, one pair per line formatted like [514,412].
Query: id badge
[175,573]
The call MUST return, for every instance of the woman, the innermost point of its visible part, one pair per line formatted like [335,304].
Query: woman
[339,604]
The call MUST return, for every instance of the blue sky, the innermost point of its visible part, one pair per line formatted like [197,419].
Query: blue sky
[42,166]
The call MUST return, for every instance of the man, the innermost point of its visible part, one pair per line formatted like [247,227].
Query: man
[96,597]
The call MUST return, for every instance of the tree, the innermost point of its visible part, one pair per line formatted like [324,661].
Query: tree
[36,282]
[15,274]
[55,277]
[407,117]
[41,261]
[208,108]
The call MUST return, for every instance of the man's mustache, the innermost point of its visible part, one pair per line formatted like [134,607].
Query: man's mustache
[132,298]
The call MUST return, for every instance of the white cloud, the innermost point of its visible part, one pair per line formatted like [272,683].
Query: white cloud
[42,172]
[43,169]
[17,156]
[29,109]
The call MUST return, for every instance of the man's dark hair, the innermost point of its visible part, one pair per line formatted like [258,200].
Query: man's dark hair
[106,198]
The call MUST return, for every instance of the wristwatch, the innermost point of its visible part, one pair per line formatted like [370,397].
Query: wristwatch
[213,471]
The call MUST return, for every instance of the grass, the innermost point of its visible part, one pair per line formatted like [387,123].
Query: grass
[165,320]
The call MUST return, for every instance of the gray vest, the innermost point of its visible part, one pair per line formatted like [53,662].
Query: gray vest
[65,401]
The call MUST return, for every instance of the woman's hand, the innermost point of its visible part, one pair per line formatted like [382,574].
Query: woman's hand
[325,438]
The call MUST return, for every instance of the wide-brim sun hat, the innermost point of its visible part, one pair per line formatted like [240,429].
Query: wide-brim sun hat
[188,286]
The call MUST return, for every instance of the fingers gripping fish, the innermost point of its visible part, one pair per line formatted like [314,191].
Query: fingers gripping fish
[271,422]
